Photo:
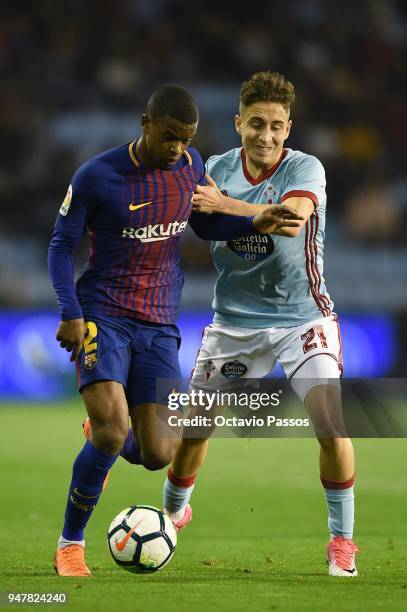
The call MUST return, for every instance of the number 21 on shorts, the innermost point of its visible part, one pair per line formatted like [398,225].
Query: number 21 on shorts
[312,337]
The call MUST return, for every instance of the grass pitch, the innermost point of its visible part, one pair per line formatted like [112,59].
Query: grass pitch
[258,536]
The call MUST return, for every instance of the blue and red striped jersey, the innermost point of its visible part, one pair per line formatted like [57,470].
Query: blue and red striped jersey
[135,218]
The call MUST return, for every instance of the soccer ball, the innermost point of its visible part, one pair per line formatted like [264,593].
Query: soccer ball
[141,539]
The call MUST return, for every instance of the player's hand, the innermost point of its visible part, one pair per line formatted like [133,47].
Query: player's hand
[70,335]
[276,217]
[208,198]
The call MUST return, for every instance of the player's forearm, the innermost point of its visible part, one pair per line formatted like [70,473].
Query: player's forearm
[61,270]
[221,227]
[231,206]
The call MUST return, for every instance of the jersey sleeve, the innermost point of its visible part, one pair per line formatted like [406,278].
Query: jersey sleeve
[69,228]
[200,167]
[306,178]
[78,204]
[221,227]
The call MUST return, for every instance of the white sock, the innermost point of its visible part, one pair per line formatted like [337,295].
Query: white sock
[63,543]
[176,498]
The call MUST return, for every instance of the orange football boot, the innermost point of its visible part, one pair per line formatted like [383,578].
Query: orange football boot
[70,561]
[86,433]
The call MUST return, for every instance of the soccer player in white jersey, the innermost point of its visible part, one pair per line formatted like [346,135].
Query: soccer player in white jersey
[271,302]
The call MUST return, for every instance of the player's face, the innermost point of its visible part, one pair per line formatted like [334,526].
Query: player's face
[166,139]
[264,127]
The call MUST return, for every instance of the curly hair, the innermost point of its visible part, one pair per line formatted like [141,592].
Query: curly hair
[268,86]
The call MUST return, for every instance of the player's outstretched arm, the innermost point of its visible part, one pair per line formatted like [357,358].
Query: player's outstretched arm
[283,219]
[234,218]
[209,199]
[229,227]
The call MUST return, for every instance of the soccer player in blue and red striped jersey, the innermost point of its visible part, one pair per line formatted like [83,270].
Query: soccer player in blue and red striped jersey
[119,320]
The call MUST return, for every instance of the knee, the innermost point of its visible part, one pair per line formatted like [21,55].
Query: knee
[109,438]
[156,459]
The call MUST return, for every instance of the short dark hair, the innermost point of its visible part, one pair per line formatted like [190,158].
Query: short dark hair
[174,101]
[268,86]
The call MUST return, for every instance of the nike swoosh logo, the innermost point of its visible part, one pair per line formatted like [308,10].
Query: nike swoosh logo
[120,545]
[136,206]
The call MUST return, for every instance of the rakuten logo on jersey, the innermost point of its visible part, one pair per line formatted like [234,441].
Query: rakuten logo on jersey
[153,233]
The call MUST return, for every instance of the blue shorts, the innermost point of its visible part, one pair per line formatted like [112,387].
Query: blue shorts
[134,353]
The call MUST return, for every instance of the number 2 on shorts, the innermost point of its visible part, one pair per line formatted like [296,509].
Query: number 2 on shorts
[91,331]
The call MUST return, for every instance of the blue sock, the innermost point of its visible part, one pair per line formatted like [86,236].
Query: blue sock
[177,492]
[89,472]
[341,508]
[130,451]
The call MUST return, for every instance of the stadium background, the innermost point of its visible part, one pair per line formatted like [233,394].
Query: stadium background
[75,78]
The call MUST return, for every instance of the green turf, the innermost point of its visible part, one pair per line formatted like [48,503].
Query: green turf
[258,537]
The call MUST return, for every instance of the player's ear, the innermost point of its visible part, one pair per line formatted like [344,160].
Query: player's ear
[145,121]
[288,129]
[238,124]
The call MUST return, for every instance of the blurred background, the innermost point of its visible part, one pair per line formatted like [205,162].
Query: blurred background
[76,75]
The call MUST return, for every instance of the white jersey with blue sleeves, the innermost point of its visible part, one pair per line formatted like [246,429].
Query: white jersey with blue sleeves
[270,280]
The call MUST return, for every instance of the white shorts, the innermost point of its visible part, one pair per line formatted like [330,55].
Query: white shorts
[311,352]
